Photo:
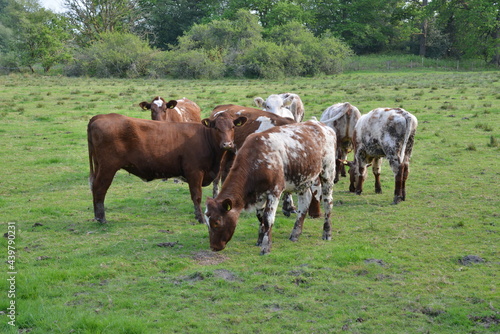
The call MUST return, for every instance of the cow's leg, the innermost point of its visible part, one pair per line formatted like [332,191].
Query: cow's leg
[100,185]
[341,167]
[195,190]
[400,183]
[225,166]
[360,177]
[327,191]
[376,167]
[268,216]
[259,211]
[288,207]
[215,186]
[304,201]
[338,167]
[226,163]
[352,178]
[406,172]
[399,172]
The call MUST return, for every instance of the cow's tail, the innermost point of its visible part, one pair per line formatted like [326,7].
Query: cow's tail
[346,107]
[410,128]
[91,157]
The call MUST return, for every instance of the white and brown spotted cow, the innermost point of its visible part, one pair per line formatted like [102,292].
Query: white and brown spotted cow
[291,157]
[342,117]
[285,104]
[257,121]
[388,133]
[182,110]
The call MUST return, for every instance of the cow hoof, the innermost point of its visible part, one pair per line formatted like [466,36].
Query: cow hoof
[265,251]
[294,238]
[327,236]
[397,200]
[378,191]
[101,220]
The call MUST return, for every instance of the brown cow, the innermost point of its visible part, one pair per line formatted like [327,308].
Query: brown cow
[182,110]
[342,117]
[290,157]
[383,132]
[257,121]
[157,150]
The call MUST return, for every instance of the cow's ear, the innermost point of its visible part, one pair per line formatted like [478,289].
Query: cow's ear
[207,122]
[227,204]
[240,121]
[259,101]
[171,104]
[145,105]
[288,100]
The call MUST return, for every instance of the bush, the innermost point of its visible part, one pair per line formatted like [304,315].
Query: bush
[192,64]
[263,60]
[114,55]
[9,62]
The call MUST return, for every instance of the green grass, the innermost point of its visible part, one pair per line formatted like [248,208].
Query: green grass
[388,269]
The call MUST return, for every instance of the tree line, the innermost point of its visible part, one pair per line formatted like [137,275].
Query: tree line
[240,38]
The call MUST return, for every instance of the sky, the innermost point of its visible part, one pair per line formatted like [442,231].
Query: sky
[54,5]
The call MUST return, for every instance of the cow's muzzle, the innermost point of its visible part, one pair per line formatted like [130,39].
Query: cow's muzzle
[229,146]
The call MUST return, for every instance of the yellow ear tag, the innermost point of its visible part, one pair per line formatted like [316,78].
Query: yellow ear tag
[228,207]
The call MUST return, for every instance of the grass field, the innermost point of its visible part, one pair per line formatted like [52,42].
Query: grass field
[428,265]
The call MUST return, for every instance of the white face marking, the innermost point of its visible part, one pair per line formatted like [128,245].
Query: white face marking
[158,102]
[219,112]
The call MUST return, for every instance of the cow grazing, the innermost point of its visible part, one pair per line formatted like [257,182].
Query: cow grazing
[157,150]
[388,133]
[183,110]
[257,121]
[285,104]
[289,157]
[342,117]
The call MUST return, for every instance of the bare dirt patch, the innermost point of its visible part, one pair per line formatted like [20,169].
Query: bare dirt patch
[209,258]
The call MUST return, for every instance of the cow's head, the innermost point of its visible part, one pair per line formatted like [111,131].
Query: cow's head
[276,104]
[353,173]
[221,219]
[158,108]
[223,125]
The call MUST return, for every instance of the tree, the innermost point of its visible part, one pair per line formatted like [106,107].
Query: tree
[473,26]
[30,35]
[164,21]
[368,26]
[94,17]
[43,38]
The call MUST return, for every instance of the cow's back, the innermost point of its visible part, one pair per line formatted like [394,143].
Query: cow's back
[147,148]
[189,111]
[384,129]
[342,117]
[295,154]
